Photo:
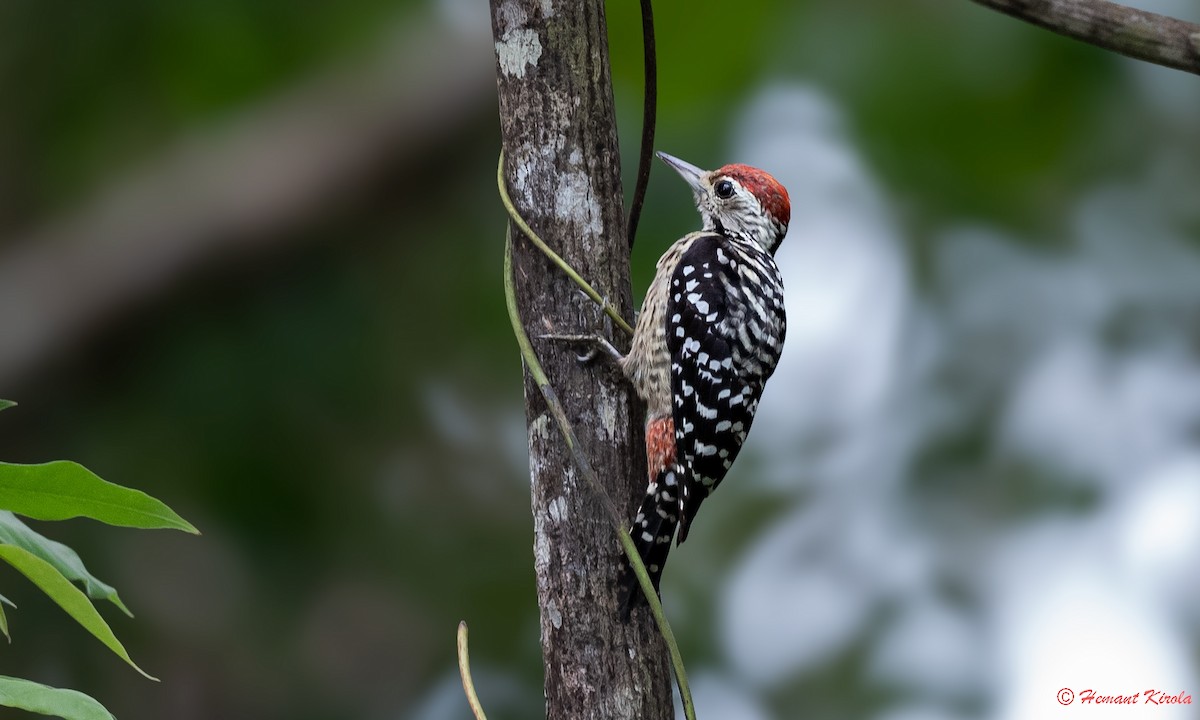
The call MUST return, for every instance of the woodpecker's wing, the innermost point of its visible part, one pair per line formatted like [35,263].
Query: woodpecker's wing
[725,329]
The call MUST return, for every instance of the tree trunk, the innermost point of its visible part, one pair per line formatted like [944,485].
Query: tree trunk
[563,169]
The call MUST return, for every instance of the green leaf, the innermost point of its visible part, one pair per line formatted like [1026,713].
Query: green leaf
[43,699]
[62,489]
[67,596]
[6,404]
[64,559]
[3,617]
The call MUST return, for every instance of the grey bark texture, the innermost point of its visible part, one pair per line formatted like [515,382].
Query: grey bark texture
[560,143]
[1139,34]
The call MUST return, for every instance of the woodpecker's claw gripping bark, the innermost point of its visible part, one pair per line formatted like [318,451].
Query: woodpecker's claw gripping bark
[597,347]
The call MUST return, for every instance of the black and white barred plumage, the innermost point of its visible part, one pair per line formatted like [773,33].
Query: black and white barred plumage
[728,324]
[709,336]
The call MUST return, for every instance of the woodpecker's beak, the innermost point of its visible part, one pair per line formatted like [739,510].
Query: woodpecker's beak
[689,172]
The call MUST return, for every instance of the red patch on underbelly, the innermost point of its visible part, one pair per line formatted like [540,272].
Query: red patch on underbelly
[660,445]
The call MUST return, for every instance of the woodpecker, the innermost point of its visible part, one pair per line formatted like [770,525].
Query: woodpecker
[709,335]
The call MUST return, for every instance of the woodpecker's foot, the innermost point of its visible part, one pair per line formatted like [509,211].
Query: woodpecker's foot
[597,347]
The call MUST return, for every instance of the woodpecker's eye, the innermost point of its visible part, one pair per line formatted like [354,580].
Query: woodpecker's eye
[724,189]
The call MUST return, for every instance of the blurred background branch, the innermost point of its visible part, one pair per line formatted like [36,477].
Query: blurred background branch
[245,187]
[1140,34]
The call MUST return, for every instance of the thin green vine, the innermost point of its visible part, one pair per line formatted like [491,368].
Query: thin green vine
[464,669]
[588,290]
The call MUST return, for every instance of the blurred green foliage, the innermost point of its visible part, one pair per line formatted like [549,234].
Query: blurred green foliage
[92,89]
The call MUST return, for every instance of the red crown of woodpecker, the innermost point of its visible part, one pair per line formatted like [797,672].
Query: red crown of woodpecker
[739,201]
[770,193]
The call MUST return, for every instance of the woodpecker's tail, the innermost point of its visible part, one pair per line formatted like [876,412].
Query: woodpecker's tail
[652,532]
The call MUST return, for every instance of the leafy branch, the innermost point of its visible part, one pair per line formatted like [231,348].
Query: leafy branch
[58,491]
